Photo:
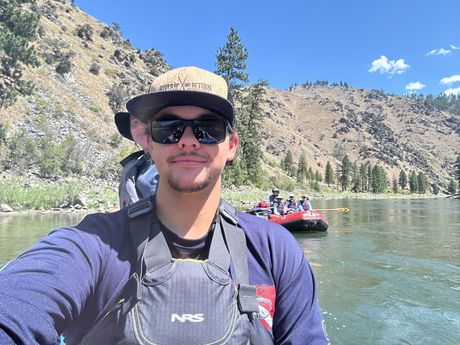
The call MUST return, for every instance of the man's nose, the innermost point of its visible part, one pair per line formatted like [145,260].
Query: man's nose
[188,138]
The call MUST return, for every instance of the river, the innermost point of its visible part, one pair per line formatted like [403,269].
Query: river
[388,272]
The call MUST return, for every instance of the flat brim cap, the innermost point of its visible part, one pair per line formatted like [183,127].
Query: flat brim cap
[123,124]
[184,86]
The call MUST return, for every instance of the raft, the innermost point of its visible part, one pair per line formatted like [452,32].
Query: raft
[295,221]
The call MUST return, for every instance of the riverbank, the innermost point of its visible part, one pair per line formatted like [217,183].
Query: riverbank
[73,195]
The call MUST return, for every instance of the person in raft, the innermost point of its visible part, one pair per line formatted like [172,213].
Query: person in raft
[217,275]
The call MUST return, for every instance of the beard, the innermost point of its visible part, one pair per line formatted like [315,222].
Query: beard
[178,185]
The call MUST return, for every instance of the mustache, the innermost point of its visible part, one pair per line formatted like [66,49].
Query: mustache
[186,154]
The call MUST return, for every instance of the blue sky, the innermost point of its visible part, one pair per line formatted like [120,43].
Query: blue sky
[399,46]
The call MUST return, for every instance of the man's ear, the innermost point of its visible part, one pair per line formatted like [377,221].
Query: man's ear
[233,146]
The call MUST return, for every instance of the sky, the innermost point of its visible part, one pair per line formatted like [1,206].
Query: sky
[398,46]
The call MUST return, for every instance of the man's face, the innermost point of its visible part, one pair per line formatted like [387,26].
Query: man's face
[138,132]
[188,165]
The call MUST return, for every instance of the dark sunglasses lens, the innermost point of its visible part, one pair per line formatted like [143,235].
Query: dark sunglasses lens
[210,131]
[166,132]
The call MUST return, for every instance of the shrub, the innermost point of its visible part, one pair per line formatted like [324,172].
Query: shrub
[95,68]
[85,32]
[2,133]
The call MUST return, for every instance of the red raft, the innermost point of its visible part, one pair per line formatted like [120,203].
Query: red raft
[295,221]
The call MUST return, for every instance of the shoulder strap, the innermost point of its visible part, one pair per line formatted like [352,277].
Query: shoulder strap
[132,156]
[146,235]
[139,216]
[236,243]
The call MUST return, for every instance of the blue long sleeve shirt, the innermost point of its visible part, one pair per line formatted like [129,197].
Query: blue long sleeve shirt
[62,284]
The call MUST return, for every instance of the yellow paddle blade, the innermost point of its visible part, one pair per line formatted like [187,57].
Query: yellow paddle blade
[339,209]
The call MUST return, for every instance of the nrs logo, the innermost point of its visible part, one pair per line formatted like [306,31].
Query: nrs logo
[187,317]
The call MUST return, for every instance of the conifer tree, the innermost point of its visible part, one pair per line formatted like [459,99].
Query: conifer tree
[413,182]
[457,168]
[231,65]
[329,176]
[369,176]
[250,115]
[395,185]
[17,32]
[379,179]
[356,178]
[402,179]
[318,176]
[301,168]
[288,164]
[422,183]
[452,187]
[345,173]
[363,177]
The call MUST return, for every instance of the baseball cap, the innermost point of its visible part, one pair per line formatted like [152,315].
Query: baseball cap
[184,86]
[123,124]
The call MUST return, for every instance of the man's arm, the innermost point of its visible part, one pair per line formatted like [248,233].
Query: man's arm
[47,286]
[297,318]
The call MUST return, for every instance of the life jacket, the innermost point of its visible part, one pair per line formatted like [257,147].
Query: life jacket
[304,204]
[171,301]
[291,203]
[139,179]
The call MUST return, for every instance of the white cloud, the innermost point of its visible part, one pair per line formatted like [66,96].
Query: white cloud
[450,80]
[415,86]
[454,47]
[440,51]
[455,92]
[383,66]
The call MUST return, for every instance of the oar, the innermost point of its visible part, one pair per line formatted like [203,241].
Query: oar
[340,209]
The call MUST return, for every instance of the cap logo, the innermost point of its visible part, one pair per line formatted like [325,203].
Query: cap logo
[184,85]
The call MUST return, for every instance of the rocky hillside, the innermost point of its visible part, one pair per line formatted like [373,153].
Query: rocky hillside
[88,71]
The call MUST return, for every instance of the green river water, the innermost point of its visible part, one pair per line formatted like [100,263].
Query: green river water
[388,272]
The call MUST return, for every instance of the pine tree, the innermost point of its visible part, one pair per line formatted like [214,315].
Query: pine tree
[395,185]
[363,177]
[369,176]
[249,124]
[329,176]
[301,168]
[231,63]
[457,169]
[310,174]
[345,173]
[379,179]
[422,183]
[288,164]
[356,178]
[17,32]
[452,187]
[318,176]
[413,182]
[402,179]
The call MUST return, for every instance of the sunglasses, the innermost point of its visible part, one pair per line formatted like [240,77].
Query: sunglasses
[206,131]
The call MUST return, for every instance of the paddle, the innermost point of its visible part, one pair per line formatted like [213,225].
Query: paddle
[340,209]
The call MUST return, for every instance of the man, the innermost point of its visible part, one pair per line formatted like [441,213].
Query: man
[139,178]
[156,273]
[278,206]
[290,204]
[305,203]
[272,197]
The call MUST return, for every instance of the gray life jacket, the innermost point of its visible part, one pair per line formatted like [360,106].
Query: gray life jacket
[171,301]
[139,179]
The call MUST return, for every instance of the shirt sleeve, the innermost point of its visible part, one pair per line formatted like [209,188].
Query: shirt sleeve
[298,318]
[47,286]
[277,260]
